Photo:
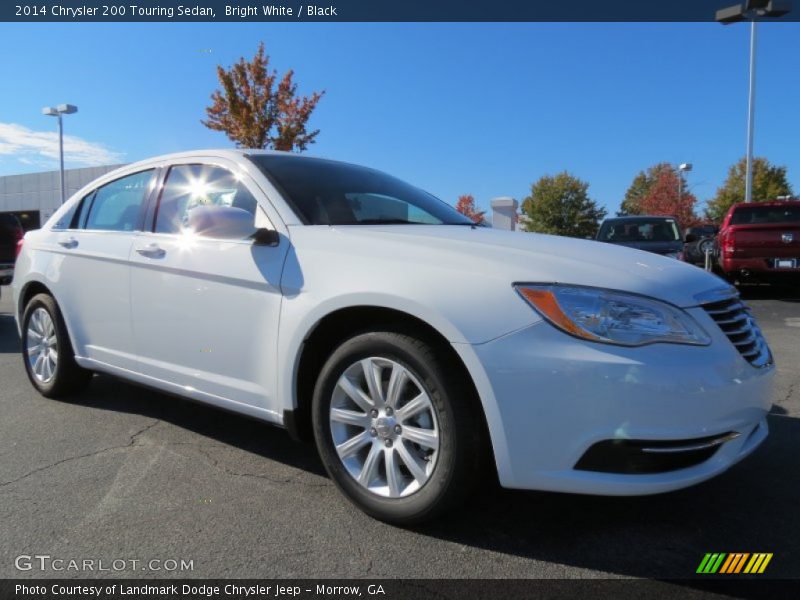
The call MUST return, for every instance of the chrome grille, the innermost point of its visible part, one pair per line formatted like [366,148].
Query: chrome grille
[734,319]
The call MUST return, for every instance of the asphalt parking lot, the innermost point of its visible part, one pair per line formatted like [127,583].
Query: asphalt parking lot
[122,472]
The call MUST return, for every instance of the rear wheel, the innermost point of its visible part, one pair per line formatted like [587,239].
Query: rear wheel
[47,351]
[398,433]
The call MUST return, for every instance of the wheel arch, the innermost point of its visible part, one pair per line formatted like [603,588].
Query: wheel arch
[29,290]
[33,288]
[343,323]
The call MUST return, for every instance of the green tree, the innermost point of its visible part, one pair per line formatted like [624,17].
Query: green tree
[769,182]
[560,205]
[255,109]
[641,186]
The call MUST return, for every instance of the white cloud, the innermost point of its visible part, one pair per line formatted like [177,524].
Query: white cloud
[29,147]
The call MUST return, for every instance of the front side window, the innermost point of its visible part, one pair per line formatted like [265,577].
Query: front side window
[82,211]
[325,192]
[117,205]
[189,187]
[66,220]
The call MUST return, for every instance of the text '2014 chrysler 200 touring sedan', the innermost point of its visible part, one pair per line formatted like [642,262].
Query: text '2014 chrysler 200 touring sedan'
[412,346]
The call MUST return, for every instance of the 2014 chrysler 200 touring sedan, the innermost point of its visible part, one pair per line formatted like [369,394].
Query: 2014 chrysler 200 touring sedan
[413,346]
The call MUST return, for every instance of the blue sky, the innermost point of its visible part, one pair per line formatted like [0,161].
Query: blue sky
[455,108]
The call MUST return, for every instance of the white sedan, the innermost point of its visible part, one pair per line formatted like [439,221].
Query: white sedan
[414,347]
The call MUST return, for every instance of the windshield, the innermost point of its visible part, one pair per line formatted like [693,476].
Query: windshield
[746,215]
[325,192]
[639,230]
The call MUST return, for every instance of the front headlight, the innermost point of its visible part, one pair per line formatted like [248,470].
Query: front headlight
[612,317]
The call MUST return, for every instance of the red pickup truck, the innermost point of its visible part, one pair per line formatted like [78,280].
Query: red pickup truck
[761,240]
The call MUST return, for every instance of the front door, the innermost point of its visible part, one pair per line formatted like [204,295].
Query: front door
[205,311]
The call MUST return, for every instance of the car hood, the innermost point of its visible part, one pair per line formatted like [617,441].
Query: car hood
[509,257]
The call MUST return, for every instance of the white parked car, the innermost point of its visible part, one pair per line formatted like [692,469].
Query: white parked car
[414,347]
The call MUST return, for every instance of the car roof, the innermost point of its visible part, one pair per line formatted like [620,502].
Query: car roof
[231,153]
[639,217]
[771,203]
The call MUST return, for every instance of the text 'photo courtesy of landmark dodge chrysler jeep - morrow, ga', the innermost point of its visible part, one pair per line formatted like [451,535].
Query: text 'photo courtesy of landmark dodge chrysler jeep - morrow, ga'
[416,349]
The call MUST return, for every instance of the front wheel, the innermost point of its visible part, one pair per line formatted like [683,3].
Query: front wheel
[47,351]
[397,431]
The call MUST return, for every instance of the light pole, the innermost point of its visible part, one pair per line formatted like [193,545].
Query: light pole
[750,11]
[61,109]
[682,168]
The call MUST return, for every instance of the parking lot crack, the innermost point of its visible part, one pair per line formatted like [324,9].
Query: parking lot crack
[789,393]
[132,441]
[135,437]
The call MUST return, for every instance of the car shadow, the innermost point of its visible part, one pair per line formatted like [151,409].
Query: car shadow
[751,508]
[765,291]
[9,339]
[109,393]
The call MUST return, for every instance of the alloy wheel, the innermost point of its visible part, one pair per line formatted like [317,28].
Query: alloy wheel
[384,427]
[42,346]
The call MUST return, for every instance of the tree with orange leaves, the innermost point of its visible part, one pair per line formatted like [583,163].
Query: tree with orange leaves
[255,109]
[662,199]
[466,206]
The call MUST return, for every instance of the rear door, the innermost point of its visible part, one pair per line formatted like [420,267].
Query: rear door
[205,311]
[93,282]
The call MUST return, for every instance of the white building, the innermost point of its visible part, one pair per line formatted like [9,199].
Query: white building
[33,197]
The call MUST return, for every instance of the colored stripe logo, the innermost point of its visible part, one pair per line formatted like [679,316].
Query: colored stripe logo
[734,562]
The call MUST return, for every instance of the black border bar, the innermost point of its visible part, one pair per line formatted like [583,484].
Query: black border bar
[698,587]
[366,10]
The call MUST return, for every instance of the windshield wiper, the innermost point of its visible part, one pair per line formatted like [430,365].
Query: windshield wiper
[472,225]
[384,222]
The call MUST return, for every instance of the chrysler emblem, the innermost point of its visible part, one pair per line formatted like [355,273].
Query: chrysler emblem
[787,238]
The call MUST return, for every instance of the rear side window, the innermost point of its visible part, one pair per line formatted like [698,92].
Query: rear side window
[746,215]
[117,205]
[191,186]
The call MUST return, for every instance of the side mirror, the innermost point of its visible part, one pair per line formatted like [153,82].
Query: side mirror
[229,223]
[221,222]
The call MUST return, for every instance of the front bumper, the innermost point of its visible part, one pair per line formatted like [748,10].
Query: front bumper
[549,397]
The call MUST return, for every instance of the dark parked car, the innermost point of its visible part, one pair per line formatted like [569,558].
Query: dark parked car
[659,235]
[10,233]
[698,240]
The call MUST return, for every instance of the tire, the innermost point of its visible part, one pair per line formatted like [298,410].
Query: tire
[50,366]
[425,480]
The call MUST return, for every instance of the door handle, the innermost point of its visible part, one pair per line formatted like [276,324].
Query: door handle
[152,251]
[68,243]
